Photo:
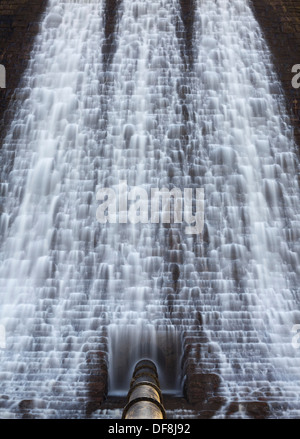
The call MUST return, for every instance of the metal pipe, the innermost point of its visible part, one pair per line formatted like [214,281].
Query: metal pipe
[144,399]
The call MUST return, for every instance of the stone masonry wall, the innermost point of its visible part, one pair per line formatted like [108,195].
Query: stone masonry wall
[18,27]
[280,23]
[279,19]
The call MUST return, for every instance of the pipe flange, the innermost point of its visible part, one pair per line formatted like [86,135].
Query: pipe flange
[144,383]
[144,399]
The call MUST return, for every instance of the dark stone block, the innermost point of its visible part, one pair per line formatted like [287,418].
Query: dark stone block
[199,387]
[254,409]
[257,409]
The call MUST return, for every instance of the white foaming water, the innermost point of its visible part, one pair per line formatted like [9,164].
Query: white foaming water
[72,288]
[141,117]
[249,171]
[48,213]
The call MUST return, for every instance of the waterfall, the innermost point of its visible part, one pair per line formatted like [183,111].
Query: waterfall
[85,288]
[48,223]
[247,164]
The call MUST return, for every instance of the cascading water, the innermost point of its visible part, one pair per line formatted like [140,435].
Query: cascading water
[47,225]
[141,117]
[248,167]
[78,294]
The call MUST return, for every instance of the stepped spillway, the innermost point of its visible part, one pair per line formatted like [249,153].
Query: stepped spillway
[83,300]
